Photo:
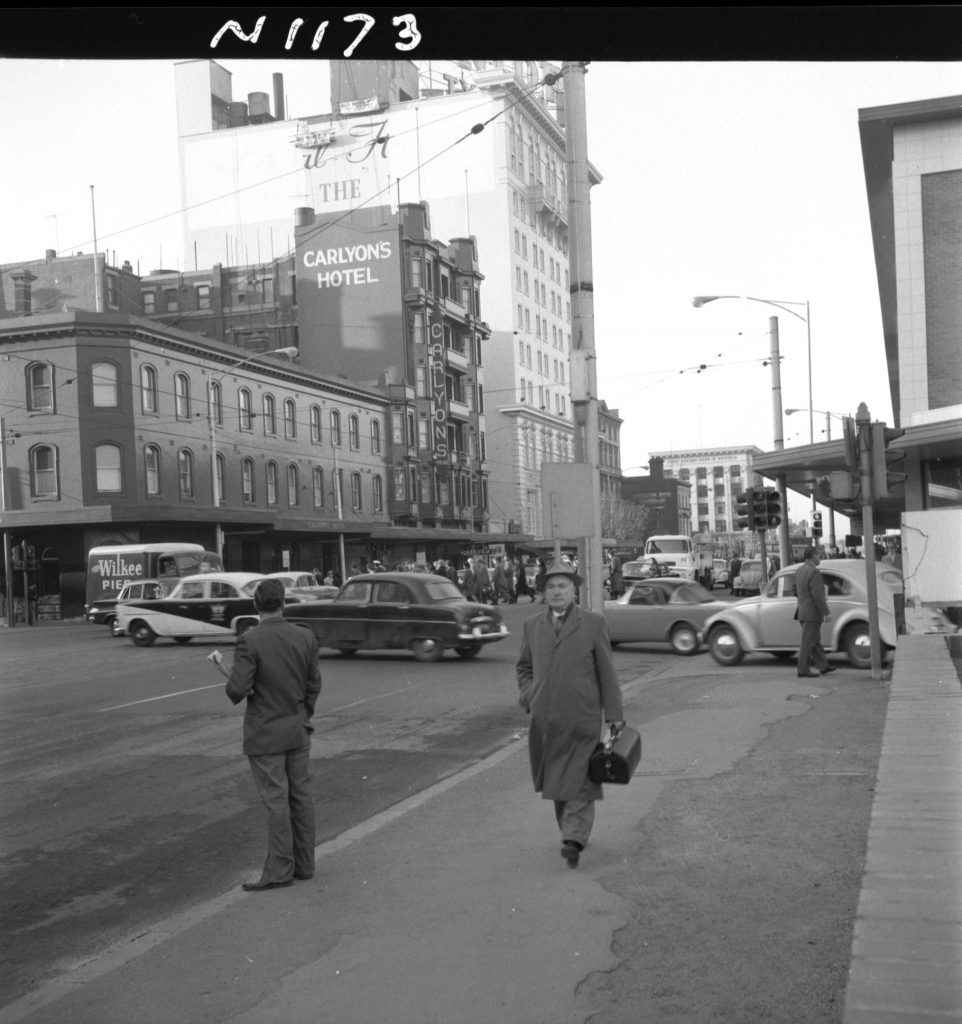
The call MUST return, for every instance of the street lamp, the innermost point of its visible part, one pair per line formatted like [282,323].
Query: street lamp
[786,305]
[290,352]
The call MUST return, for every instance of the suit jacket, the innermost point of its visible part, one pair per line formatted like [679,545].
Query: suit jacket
[275,668]
[569,684]
[810,593]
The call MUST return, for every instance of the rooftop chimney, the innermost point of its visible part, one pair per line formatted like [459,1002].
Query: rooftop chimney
[22,299]
[278,97]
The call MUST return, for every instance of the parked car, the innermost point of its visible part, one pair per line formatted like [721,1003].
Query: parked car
[644,569]
[663,610]
[720,574]
[420,612]
[749,578]
[142,590]
[216,604]
[303,585]
[767,622]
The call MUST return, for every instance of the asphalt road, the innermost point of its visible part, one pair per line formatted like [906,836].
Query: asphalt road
[125,796]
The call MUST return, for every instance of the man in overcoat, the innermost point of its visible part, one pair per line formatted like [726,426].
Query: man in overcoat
[568,684]
[812,611]
[275,670]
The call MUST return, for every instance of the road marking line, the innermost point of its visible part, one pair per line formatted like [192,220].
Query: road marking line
[163,696]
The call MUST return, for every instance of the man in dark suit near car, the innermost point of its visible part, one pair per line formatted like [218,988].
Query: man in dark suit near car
[275,669]
[812,611]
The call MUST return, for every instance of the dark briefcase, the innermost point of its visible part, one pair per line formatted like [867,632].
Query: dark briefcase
[616,762]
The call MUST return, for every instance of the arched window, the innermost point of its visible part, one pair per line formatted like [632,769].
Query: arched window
[247,479]
[271,483]
[40,387]
[270,417]
[245,414]
[103,377]
[354,432]
[293,498]
[315,424]
[375,437]
[220,465]
[335,428]
[290,419]
[152,470]
[182,396]
[378,494]
[185,472]
[318,481]
[44,482]
[356,491]
[107,462]
[149,402]
[216,402]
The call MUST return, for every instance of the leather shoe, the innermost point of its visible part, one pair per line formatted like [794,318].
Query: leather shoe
[261,884]
[302,876]
[809,675]
[828,668]
[570,853]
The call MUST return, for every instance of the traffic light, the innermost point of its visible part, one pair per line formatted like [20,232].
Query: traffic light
[31,556]
[17,557]
[851,444]
[773,507]
[883,479]
[744,513]
[816,524]
[760,510]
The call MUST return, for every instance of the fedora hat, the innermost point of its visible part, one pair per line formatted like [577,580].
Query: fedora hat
[562,568]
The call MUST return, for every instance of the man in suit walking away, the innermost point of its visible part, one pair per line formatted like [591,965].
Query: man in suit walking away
[275,670]
[812,611]
[568,684]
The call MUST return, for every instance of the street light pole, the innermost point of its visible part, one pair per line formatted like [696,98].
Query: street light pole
[290,352]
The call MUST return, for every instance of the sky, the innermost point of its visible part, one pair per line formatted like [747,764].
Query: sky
[740,178]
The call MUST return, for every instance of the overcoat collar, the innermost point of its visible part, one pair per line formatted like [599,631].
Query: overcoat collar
[572,621]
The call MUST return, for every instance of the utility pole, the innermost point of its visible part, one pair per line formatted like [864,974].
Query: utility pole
[781,481]
[584,368]
[864,428]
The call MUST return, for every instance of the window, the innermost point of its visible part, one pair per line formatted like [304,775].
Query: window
[182,396]
[148,390]
[43,472]
[270,415]
[293,496]
[152,470]
[335,428]
[107,462]
[354,432]
[375,437]
[245,415]
[247,479]
[415,272]
[417,328]
[315,424]
[203,296]
[271,483]
[378,494]
[219,468]
[150,303]
[318,482]
[171,300]
[185,472]
[216,403]
[356,491]
[290,419]
[40,388]
[104,379]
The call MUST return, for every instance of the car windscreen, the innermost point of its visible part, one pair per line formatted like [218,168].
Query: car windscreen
[690,593]
[670,547]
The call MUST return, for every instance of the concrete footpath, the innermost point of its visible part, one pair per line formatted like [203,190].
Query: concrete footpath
[455,906]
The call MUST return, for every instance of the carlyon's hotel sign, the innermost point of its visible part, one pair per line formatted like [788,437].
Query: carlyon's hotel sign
[349,298]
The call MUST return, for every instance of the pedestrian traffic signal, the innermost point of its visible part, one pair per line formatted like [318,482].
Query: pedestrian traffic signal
[744,513]
[816,524]
[773,507]
[883,457]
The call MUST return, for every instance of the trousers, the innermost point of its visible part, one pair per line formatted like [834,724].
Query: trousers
[811,647]
[284,783]
[575,818]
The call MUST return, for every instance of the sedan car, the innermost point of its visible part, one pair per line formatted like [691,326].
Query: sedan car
[140,590]
[749,578]
[644,569]
[216,604]
[304,586]
[420,612]
[767,622]
[664,610]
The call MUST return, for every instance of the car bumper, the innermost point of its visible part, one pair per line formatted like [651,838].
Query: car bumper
[476,636]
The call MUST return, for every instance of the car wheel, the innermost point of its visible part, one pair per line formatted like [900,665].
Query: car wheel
[857,645]
[684,640]
[724,646]
[142,635]
[426,649]
[347,651]
[469,650]
[115,629]
[181,639]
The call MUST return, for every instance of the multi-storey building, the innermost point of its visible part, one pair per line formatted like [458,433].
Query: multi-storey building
[61,284]
[716,476]
[377,140]
[664,497]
